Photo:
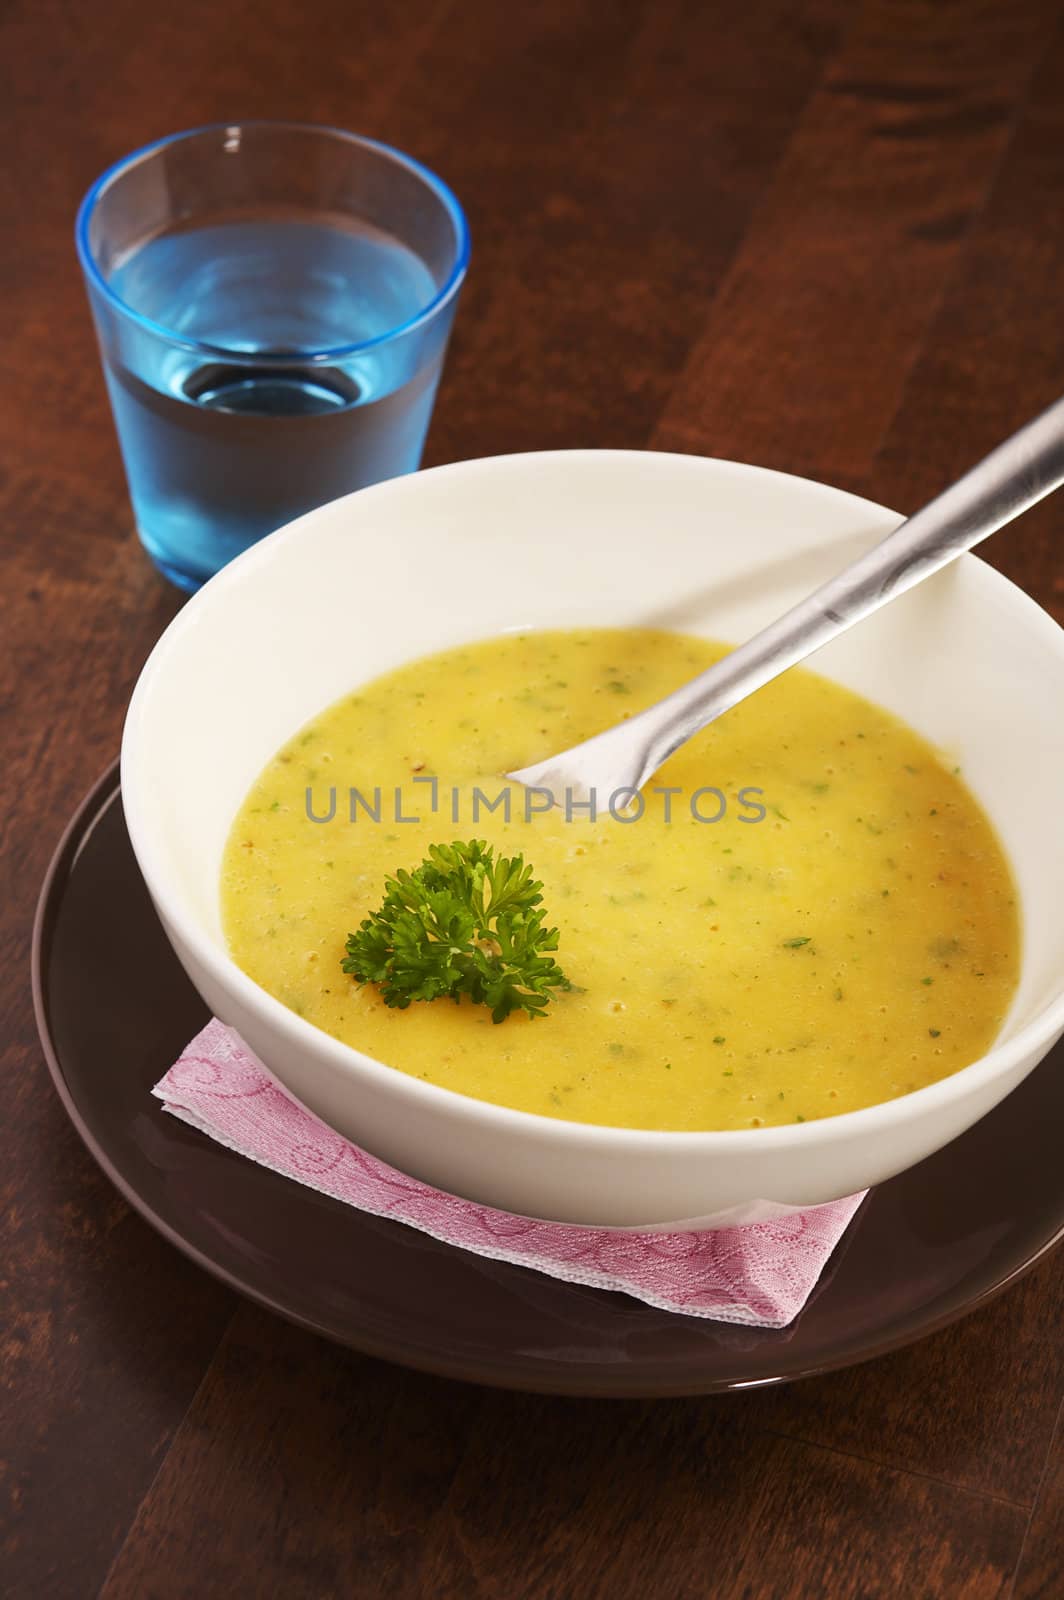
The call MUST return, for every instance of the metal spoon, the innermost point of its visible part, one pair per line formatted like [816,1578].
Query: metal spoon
[1012,478]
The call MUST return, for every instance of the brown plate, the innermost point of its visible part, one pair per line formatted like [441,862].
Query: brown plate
[114,1009]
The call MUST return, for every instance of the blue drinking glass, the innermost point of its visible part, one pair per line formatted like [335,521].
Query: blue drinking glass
[273,302]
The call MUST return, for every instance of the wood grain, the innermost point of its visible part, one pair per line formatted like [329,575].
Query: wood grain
[844,267]
[993,359]
[592,270]
[348,1478]
[968,1406]
[1038,1573]
[823,236]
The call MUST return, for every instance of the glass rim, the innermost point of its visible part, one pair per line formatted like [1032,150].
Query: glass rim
[432,181]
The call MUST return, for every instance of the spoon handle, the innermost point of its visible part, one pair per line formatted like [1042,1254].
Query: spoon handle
[1013,477]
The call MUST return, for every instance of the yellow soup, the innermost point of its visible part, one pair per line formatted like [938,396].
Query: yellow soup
[823,920]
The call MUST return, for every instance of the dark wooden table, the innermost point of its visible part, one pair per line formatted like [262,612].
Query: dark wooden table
[827,237]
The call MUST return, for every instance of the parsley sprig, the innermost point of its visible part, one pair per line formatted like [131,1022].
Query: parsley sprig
[462,923]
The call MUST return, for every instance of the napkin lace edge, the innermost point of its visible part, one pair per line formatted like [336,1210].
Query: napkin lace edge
[738,1314]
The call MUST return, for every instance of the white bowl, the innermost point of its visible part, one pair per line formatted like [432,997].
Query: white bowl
[571,539]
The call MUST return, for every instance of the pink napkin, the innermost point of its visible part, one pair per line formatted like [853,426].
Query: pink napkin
[761,1274]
